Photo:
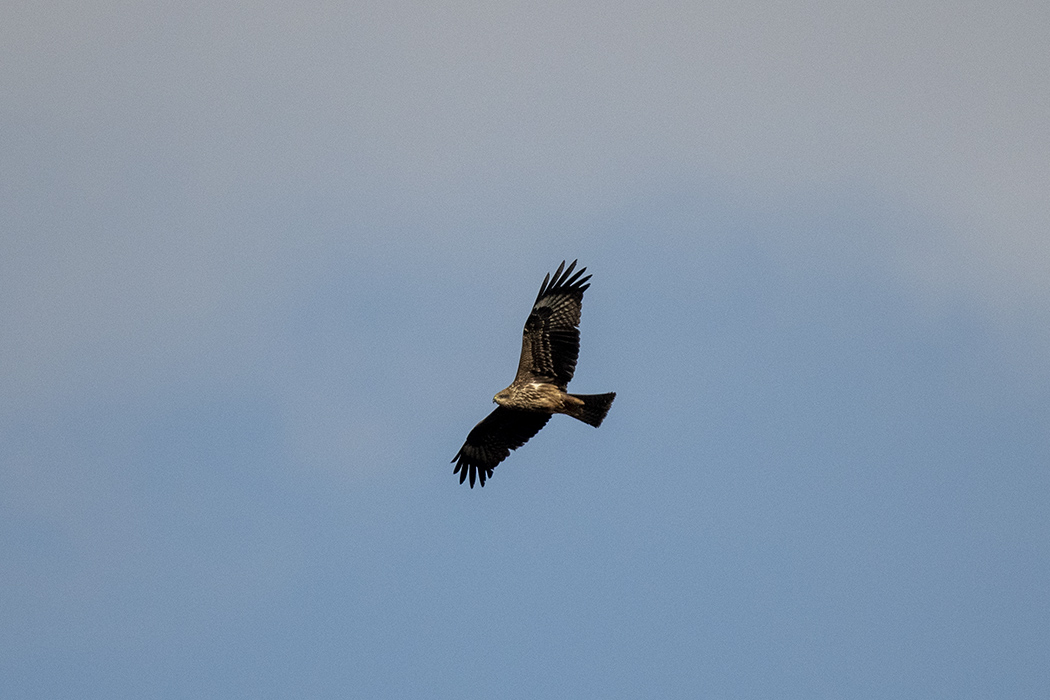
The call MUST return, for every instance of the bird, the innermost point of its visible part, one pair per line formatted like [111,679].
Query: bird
[550,347]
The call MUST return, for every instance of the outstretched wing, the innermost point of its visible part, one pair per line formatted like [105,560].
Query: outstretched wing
[492,439]
[550,344]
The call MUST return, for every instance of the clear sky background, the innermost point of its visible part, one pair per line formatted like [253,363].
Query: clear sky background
[263,266]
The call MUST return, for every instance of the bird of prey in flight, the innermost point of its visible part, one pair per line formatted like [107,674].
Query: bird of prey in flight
[550,346]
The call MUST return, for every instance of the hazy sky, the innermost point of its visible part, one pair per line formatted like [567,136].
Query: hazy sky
[263,266]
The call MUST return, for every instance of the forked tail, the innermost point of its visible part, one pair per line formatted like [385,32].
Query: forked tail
[594,407]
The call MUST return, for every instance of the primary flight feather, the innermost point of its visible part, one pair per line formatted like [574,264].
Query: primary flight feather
[550,346]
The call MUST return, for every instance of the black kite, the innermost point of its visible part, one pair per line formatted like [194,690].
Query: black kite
[550,346]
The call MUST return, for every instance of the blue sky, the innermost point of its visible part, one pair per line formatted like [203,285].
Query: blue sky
[263,266]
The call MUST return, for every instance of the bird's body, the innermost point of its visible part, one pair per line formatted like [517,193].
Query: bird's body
[534,396]
[550,347]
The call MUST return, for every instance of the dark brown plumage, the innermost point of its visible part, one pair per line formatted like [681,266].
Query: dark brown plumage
[550,346]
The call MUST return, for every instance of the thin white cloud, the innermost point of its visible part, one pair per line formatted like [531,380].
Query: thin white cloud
[159,163]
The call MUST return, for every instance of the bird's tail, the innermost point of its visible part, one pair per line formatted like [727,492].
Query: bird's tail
[593,409]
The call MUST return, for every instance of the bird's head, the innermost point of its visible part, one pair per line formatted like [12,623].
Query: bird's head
[501,398]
